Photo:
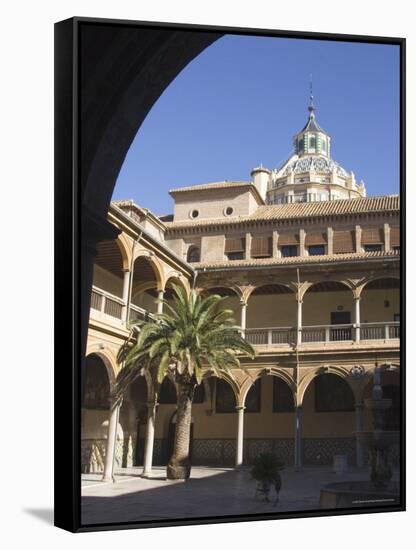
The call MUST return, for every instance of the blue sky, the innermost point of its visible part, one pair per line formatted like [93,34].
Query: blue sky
[240,102]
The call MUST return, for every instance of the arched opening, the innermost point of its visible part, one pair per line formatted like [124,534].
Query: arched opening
[167,393]
[231,300]
[271,315]
[169,294]
[380,309]
[193,255]
[167,404]
[94,413]
[145,284]
[328,420]
[108,277]
[166,421]
[133,418]
[271,427]
[327,313]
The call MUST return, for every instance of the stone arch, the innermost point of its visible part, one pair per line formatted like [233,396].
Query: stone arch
[308,285]
[148,60]
[193,254]
[326,304]
[147,282]
[155,264]
[177,279]
[223,290]
[271,306]
[272,371]
[380,307]
[125,250]
[371,278]
[232,298]
[306,381]
[253,289]
[109,360]
[227,378]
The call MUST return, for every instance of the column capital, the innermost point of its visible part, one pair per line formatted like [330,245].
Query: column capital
[240,407]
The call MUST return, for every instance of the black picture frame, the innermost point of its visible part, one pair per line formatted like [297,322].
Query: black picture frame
[79,138]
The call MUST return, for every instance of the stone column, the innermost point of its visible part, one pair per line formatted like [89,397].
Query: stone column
[248,246]
[299,321]
[302,235]
[298,438]
[150,438]
[358,233]
[243,316]
[240,437]
[110,452]
[357,319]
[126,286]
[160,295]
[330,235]
[359,426]
[275,251]
[387,244]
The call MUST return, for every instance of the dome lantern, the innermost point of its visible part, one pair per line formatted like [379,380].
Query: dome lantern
[312,139]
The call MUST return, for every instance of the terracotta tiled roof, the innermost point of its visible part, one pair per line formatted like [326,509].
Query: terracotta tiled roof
[258,262]
[215,185]
[303,210]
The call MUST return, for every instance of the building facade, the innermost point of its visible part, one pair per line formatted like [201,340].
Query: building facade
[308,264]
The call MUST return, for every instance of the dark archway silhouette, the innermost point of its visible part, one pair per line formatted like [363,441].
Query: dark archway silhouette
[108,75]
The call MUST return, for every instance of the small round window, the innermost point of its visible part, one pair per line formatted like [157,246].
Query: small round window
[194,214]
[228,210]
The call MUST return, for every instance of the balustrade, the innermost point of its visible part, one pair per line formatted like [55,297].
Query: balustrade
[106,303]
[316,334]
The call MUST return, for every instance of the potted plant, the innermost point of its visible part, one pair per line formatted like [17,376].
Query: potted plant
[266,471]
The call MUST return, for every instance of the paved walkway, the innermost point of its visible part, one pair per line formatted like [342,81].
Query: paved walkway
[209,492]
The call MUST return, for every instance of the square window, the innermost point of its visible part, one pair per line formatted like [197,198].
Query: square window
[316,250]
[289,250]
[235,256]
[372,248]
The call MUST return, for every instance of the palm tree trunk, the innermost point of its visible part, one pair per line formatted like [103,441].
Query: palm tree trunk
[179,466]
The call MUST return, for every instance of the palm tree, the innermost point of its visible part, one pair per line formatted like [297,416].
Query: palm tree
[193,332]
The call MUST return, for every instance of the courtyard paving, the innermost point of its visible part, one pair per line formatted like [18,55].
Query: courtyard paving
[209,492]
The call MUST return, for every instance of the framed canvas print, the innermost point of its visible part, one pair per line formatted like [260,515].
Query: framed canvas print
[229,276]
